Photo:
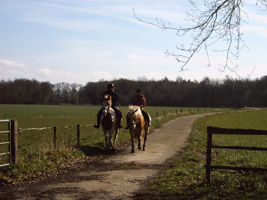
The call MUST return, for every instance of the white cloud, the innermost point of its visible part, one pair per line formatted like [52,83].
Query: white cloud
[257,29]
[60,15]
[12,64]
[54,73]
[67,24]
[135,57]
[258,18]
[11,69]
[72,75]
[97,75]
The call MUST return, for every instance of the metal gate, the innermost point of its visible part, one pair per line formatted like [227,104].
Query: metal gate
[12,142]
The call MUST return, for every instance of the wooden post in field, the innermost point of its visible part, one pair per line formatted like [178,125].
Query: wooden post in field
[55,137]
[208,156]
[157,114]
[78,136]
[14,141]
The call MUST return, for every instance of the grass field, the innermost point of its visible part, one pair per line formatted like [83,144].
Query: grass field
[36,147]
[186,179]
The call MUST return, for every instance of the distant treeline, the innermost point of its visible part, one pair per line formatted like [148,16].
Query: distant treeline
[180,93]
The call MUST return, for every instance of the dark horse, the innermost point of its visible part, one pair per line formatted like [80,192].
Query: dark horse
[108,122]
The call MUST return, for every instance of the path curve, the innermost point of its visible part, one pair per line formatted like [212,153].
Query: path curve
[118,176]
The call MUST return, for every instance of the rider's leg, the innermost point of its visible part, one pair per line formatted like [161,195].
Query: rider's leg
[97,125]
[127,120]
[147,117]
[118,115]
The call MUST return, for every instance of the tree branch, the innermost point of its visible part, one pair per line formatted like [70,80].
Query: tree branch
[219,21]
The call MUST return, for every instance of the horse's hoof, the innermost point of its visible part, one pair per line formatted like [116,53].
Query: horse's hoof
[144,149]
[132,151]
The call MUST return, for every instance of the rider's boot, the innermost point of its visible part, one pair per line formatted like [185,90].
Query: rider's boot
[119,124]
[96,125]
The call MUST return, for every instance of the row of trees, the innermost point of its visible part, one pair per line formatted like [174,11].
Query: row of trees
[206,93]
[23,91]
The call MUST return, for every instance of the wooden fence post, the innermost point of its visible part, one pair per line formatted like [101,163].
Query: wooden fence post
[78,135]
[55,137]
[208,156]
[157,114]
[14,141]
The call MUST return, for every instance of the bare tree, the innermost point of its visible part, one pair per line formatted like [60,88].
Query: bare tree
[214,22]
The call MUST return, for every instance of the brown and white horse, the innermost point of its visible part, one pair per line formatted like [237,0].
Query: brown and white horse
[109,123]
[137,126]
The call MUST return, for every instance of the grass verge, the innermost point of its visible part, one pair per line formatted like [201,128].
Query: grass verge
[186,179]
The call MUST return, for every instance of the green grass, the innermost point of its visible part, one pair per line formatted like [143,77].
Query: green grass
[37,154]
[186,179]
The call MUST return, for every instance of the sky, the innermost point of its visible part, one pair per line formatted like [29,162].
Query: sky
[90,40]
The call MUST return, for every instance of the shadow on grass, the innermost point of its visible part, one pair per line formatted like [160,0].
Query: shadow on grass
[98,149]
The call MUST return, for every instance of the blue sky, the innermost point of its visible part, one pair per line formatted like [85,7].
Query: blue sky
[91,40]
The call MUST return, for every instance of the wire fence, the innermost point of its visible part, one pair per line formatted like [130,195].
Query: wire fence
[44,139]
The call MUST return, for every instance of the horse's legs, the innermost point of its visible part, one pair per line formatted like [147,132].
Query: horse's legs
[106,139]
[132,138]
[115,138]
[132,146]
[110,138]
[140,139]
[139,142]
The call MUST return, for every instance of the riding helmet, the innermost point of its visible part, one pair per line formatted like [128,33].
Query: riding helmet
[111,85]
[139,91]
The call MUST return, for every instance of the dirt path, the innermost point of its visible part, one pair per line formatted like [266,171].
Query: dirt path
[118,176]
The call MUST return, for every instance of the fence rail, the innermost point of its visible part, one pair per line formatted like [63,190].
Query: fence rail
[12,142]
[215,130]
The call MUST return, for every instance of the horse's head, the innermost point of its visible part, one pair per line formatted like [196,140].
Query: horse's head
[106,105]
[134,112]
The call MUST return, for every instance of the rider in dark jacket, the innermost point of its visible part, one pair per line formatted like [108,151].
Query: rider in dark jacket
[115,99]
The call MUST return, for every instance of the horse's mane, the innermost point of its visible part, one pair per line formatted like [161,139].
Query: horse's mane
[133,108]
